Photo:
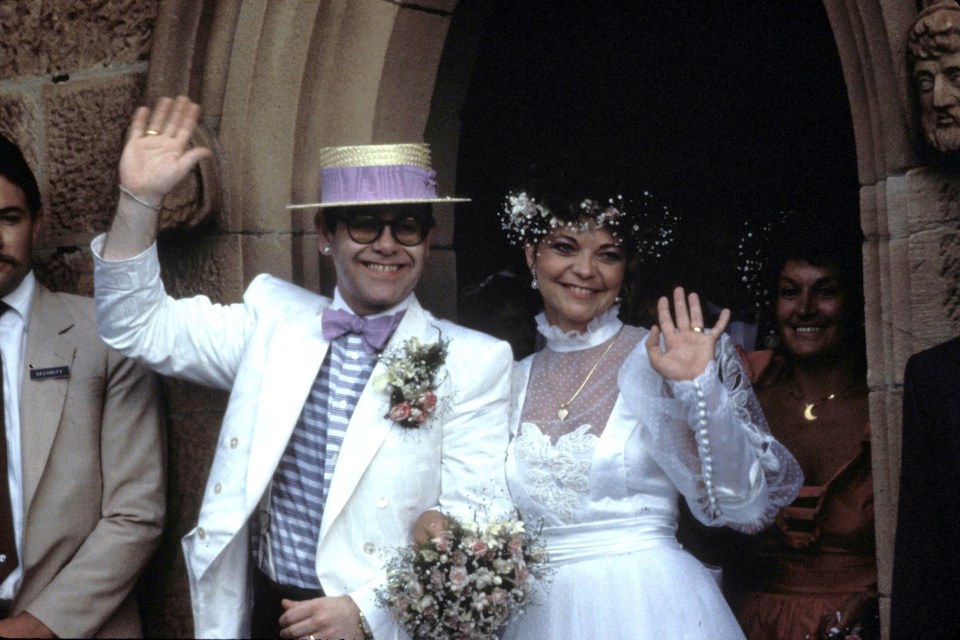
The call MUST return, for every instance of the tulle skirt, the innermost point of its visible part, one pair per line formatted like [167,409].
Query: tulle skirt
[623,588]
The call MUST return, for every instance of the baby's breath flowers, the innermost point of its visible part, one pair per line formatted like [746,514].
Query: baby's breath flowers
[641,222]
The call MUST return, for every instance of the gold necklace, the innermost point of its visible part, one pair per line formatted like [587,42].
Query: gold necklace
[808,407]
[563,412]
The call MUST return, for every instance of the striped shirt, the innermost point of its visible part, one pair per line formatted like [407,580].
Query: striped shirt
[302,479]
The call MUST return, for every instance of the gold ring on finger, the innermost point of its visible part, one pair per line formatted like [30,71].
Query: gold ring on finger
[151,132]
[697,329]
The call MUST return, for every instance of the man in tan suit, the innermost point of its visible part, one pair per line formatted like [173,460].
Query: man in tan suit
[81,452]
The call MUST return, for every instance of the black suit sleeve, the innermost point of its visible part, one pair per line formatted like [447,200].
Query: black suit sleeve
[925,581]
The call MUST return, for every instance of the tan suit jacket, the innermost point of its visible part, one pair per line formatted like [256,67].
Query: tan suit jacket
[93,475]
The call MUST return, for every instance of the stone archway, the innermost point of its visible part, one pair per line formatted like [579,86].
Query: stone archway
[280,77]
[908,214]
[276,77]
[278,80]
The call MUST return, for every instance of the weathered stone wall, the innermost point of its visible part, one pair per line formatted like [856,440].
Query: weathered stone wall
[71,73]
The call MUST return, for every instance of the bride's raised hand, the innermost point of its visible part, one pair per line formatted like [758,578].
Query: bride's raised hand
[687,347]
[157,153]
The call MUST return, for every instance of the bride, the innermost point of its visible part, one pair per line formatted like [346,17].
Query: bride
[613,423]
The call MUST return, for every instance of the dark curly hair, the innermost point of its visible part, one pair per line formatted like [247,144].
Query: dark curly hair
[14,167]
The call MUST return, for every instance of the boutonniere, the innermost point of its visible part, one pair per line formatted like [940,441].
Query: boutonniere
[411,381]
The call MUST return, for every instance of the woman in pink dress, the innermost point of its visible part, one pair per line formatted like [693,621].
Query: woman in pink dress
[814,574]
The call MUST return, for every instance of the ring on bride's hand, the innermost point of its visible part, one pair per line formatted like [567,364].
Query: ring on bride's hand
[151,132]
[697,329]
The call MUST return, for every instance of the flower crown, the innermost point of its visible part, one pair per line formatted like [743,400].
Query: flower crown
[639,223]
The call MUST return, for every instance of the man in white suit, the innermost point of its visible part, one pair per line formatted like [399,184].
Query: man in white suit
[313,482]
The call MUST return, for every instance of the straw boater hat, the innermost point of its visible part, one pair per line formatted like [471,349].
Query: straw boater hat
[376,174]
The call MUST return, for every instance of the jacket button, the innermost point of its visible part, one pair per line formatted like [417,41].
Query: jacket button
[369,548]
[217,488]
[202,533]
[234,442]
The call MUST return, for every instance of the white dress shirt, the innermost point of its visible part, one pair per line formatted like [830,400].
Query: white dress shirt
[14,325]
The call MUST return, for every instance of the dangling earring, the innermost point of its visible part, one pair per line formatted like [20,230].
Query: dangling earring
[533,283]
[325,250]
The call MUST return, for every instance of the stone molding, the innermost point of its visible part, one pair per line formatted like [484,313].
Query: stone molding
[909,215]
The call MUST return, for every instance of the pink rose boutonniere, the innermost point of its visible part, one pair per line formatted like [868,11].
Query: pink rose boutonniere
[411,380]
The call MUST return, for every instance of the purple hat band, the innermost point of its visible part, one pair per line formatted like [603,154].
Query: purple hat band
[377,183]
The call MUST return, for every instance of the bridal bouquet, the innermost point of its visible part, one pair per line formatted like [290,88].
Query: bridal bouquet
[464,583]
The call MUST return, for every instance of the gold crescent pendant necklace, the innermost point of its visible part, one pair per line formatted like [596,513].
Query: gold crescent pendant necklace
[564,412]
[808,406]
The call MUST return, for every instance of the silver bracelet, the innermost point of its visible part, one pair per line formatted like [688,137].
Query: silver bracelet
[136,198]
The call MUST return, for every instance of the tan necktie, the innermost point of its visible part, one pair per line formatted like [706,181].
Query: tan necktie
[8,539]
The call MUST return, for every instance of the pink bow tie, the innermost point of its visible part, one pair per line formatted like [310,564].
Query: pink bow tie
[374,332]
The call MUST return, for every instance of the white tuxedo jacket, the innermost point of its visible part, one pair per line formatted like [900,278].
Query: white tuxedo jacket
[268,350]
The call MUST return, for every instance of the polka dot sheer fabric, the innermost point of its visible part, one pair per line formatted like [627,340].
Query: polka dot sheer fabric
[705,439]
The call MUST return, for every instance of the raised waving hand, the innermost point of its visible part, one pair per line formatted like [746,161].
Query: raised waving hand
[156,156]
[687,347]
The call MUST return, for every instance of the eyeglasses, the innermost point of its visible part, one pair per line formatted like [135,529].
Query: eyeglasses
[366,229]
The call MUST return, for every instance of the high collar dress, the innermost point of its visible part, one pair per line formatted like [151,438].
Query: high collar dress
[604,483]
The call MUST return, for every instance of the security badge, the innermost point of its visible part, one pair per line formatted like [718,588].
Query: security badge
[50,372]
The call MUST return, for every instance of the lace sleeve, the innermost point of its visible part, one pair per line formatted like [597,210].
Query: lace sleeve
[710,437]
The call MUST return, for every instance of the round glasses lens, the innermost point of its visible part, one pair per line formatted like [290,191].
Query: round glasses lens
[407,231]
[364,229]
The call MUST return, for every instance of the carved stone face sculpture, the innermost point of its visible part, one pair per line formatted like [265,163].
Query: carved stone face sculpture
[934,44]
[938,87]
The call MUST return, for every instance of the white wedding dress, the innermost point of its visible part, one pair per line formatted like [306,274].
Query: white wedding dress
[604,484]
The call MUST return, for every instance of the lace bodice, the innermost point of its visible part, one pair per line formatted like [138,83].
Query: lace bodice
[632,441]
[556,472]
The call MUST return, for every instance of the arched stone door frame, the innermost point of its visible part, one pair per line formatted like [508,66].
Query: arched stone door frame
[278,80]
[907,212]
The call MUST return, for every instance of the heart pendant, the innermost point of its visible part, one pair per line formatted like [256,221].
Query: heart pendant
[563,413]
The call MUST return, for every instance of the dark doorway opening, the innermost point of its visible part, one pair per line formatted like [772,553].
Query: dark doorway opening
[727,112]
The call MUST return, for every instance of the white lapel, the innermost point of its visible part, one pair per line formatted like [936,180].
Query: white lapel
[295,351]
[368,426]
